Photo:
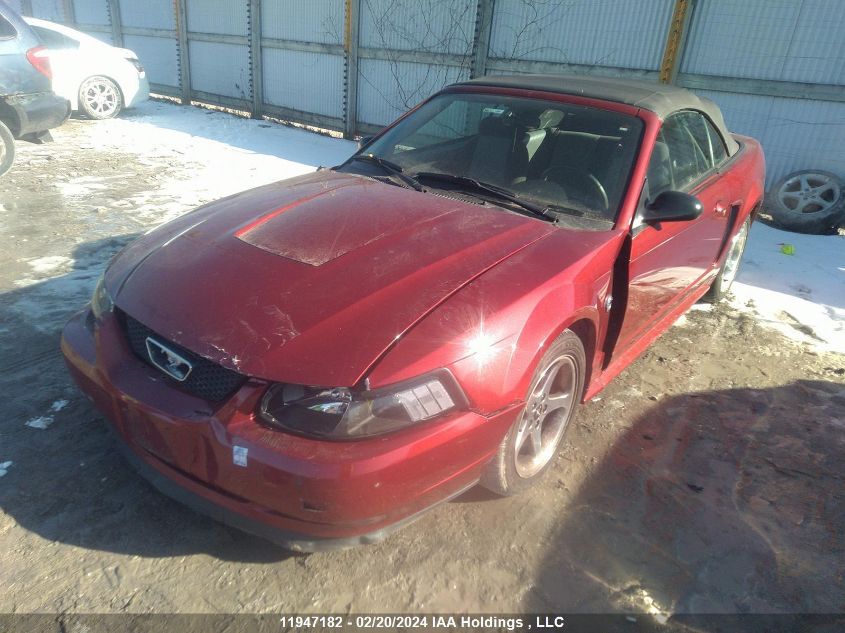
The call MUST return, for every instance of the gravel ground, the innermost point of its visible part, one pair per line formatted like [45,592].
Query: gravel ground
[706,478]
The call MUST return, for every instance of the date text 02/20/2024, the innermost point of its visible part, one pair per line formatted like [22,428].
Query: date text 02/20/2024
[424,621]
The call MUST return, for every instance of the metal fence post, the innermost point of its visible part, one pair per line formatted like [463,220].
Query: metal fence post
[350,48]
[184,56]
[255,58]
[481,41]
[676,40]
[116,26]
[69,14]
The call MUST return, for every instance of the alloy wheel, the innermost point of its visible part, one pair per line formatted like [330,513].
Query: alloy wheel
[809,193]
[545,416]
[101,98]
[734,256]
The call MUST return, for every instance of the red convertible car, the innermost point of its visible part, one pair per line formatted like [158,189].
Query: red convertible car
[319,360]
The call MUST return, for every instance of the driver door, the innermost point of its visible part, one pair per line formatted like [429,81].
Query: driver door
[670,259]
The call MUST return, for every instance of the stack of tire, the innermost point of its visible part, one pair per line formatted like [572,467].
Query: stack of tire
[808,201]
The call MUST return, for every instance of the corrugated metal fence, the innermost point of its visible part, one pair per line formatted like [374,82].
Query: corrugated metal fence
[776,67]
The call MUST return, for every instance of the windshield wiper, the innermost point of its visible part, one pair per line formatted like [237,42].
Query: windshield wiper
[465,182]
[391,168]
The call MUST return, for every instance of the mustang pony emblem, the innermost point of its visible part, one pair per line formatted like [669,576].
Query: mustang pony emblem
[168,361]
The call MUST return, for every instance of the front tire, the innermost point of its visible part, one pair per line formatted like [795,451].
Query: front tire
[7,149]
[529,448]
[100,98]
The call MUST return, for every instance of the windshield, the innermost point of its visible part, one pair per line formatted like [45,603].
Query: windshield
[570,158]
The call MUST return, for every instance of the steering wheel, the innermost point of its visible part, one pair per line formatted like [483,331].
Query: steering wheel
[580,185]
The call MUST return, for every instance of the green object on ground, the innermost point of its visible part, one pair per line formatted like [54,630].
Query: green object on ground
[787,249]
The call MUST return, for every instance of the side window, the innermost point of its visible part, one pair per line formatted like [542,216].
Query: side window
[697,126]
[7,31]
[54,40]
[717,143]
[684,134]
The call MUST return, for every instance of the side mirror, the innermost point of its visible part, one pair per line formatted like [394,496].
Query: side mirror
[364,140]
[673,206]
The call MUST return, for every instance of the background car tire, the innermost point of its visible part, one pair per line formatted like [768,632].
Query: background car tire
[807,201]
[730,267]
[513,468]
[7,149]
[100,98]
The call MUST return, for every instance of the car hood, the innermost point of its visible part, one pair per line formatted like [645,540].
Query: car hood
[310,280]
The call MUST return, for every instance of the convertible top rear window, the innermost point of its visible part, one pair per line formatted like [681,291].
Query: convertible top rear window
[573,158]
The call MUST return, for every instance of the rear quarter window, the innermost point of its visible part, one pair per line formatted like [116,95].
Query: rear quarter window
[717,144]
[7,31]
[54,40]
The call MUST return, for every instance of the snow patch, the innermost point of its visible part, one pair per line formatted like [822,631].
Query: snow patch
[801,295]
[44,268]
[211,155]
[41,422]
[26,281]
[4,467]
[50,264]
[58,405]
[80,187]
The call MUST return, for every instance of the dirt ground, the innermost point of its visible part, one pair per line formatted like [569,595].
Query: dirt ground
[707,478]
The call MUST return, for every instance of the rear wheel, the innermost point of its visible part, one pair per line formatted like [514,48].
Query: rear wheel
[7,149]
[730,267]
[531,444]
[100,98]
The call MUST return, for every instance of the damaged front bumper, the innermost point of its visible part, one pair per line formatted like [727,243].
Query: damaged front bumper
[304,494]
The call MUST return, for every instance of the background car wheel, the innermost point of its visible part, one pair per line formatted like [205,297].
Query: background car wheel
[807,201]
[531,444]
[730,267]
[7,149]
[100,98]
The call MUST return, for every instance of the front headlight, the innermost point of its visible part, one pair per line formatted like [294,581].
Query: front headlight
[101,302]
[341,413]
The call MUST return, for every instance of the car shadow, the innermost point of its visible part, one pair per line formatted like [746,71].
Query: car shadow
[67,481]
[719,502]
[476,494]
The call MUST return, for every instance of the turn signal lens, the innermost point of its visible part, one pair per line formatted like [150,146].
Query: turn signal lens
[101,301]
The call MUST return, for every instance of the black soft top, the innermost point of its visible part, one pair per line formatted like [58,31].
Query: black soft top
[661,99]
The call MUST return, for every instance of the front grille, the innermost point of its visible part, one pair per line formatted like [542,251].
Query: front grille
[207,379]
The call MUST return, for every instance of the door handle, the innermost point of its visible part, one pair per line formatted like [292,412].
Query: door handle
[720,210]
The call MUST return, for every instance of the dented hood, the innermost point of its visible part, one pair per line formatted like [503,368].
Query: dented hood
[310,280]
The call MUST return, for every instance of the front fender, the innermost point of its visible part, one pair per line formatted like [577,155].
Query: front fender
[493,332]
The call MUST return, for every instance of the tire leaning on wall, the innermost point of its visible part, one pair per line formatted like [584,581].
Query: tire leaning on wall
[807,201]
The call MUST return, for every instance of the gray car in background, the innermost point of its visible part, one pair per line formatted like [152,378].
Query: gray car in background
[28,105]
